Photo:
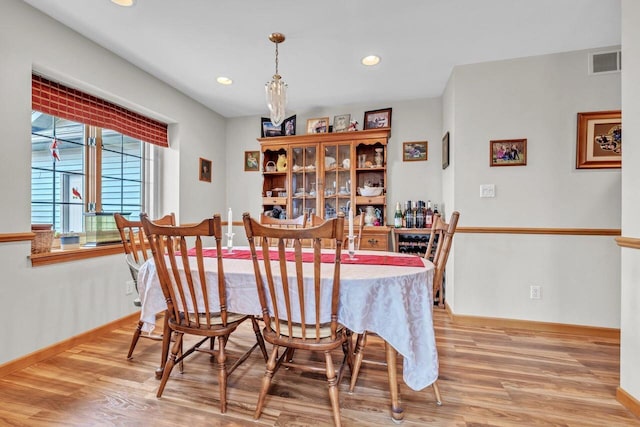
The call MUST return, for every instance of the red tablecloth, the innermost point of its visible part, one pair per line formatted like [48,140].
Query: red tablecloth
[406,261]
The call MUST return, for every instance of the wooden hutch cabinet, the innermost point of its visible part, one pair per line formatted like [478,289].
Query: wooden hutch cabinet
[322,175]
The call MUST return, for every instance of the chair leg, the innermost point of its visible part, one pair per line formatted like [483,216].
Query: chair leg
[177,347]
[222,373]
[134,340]
[436,391]
[347,350]
[166,341]
[361,342]
[259,339]
[333,388]
[266,381]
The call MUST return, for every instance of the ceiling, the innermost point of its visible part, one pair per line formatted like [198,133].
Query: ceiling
[188,44]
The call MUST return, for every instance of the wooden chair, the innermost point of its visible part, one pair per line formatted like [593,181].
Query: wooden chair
[294,323]
[438,249]
[441,233]
[137,251]
[182,279]
[299,222]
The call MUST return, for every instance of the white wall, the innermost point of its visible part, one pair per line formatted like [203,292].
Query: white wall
[416,120]
[535,98]
[630,314]
[48,304]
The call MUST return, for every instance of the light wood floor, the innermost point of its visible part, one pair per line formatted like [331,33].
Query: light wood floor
[488,377]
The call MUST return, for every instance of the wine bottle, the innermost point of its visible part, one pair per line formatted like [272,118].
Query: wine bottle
[428,215]
[408,215]
[397,218]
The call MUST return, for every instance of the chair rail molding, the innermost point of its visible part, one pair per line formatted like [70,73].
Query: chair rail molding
[542,230]
[17,237]
[628,242]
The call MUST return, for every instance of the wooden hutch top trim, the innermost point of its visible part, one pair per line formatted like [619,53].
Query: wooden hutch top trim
[327,137]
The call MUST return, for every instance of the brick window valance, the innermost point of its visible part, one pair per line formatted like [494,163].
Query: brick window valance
[58,100]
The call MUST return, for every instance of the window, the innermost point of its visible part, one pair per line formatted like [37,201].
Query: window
[77,168]
[88,155]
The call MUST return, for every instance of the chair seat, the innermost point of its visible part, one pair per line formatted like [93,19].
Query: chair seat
[310,332]
[215,319]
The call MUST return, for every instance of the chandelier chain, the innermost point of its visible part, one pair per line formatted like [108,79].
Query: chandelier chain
[277,59]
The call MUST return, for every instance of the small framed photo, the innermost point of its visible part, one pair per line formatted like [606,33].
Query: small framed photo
[319,125]
[341,122]
[251,161]
[205,170]
[508,152]
[289,126]
[445,151]
[268,129]
[377,119]
[599,143]
[414,151]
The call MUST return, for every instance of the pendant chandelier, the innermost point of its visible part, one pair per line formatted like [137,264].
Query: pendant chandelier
[276,89]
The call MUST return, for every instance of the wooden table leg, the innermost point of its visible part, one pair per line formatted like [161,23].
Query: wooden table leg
[397,413]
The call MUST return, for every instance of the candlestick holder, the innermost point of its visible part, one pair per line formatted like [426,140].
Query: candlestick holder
[230,242]
[352,247]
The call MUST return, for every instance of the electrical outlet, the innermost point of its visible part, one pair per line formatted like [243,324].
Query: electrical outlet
[130,286]
[535,292]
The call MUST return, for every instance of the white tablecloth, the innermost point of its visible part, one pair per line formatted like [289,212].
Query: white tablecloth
[392,301]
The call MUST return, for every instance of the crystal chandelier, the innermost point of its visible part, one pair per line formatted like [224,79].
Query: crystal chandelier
[276,89]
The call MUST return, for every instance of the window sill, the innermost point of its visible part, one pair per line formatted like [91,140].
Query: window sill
[57,255]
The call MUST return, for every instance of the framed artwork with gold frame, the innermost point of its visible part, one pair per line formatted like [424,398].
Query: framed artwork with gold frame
[414,151]
[251,161]
[599,140]
[508,152]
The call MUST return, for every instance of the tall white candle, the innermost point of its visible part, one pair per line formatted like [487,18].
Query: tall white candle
[350,223]
[230,222]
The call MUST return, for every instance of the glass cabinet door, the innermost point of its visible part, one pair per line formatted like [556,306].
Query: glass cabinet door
[304,180]
[337,179]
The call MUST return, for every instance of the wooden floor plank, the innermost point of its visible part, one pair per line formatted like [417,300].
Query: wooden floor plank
[488,377]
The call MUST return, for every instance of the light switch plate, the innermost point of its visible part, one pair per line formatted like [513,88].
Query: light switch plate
[487,190]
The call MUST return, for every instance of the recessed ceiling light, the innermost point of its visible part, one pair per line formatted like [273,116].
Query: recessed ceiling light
[224,80]
[370,60]
[125,3]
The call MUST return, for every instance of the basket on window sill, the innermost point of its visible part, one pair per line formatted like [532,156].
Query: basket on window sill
[44,238]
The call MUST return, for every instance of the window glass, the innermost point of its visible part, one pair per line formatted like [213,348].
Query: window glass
[59,177]
[57,172]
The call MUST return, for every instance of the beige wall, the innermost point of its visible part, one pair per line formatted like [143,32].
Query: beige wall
[535,98]
[630,310]
[48,304]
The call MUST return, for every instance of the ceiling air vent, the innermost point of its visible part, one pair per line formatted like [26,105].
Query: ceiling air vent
[605,62]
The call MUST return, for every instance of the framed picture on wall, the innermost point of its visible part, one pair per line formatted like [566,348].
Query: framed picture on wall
[508,152]
[205,170]
[251,161]
[599,142]
[414,151]
[445,151]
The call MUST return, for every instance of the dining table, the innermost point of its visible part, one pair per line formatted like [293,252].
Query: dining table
[387,293]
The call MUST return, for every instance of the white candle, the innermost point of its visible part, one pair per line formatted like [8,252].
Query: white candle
[230,222]
[350,223]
